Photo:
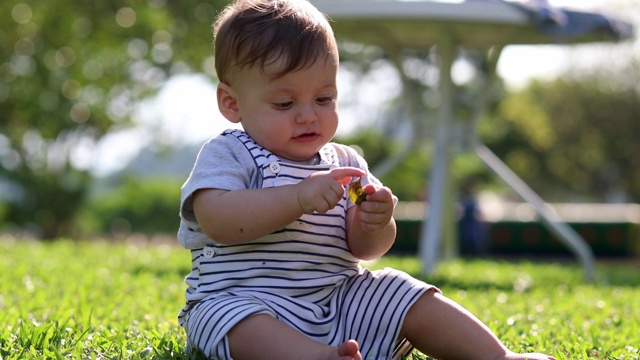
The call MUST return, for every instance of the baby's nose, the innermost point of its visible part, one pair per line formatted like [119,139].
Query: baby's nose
[306,114]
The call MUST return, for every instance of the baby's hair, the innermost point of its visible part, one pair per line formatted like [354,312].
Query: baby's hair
[251,33]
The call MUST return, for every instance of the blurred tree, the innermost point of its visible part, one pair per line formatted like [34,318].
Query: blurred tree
[572,140]
[575,138]
[408,177]
[69,72]
[398,144]
[138,205]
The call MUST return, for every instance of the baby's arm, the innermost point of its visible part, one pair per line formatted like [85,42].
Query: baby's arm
[371,229]
[239,216]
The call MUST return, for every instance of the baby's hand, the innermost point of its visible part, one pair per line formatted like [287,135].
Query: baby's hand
[323,190]
[375,213]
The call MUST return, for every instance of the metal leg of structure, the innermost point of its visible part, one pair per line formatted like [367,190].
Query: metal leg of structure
[438,221]
[564,232]
[439,191]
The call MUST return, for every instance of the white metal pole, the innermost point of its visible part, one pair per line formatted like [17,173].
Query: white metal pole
[439,184]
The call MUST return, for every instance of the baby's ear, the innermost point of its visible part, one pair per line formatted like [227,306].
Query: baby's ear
[227,103]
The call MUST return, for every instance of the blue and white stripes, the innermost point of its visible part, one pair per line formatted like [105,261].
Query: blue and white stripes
[303,274]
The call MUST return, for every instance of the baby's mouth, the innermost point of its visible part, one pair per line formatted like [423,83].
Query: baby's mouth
[307,137]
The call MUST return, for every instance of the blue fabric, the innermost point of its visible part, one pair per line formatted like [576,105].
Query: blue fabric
[564,24]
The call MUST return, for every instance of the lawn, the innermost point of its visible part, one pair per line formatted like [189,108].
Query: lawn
[102,300]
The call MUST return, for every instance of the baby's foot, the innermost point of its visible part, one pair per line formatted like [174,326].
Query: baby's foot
[529,356]
[348,350]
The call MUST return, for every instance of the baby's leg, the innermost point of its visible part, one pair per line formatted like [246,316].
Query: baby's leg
[439,327]
[265,337]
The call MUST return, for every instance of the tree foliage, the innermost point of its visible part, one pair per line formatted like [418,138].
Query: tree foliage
[69,72]
[408,178]
[571,140]
[72,71]
[136,205]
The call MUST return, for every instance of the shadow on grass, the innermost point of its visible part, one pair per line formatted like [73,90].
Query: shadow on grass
[619,272]
[159,271]
[507,273]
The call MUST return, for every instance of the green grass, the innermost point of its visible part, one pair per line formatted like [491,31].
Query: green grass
[100,300]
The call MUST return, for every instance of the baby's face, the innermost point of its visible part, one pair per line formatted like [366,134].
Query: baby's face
[292,116]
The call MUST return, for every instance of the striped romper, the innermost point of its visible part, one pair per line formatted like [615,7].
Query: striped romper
[303,274]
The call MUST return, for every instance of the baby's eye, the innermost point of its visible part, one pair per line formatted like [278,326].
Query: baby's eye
[283,105]
[325,100]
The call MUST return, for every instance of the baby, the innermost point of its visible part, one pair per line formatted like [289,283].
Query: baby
[275,240]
